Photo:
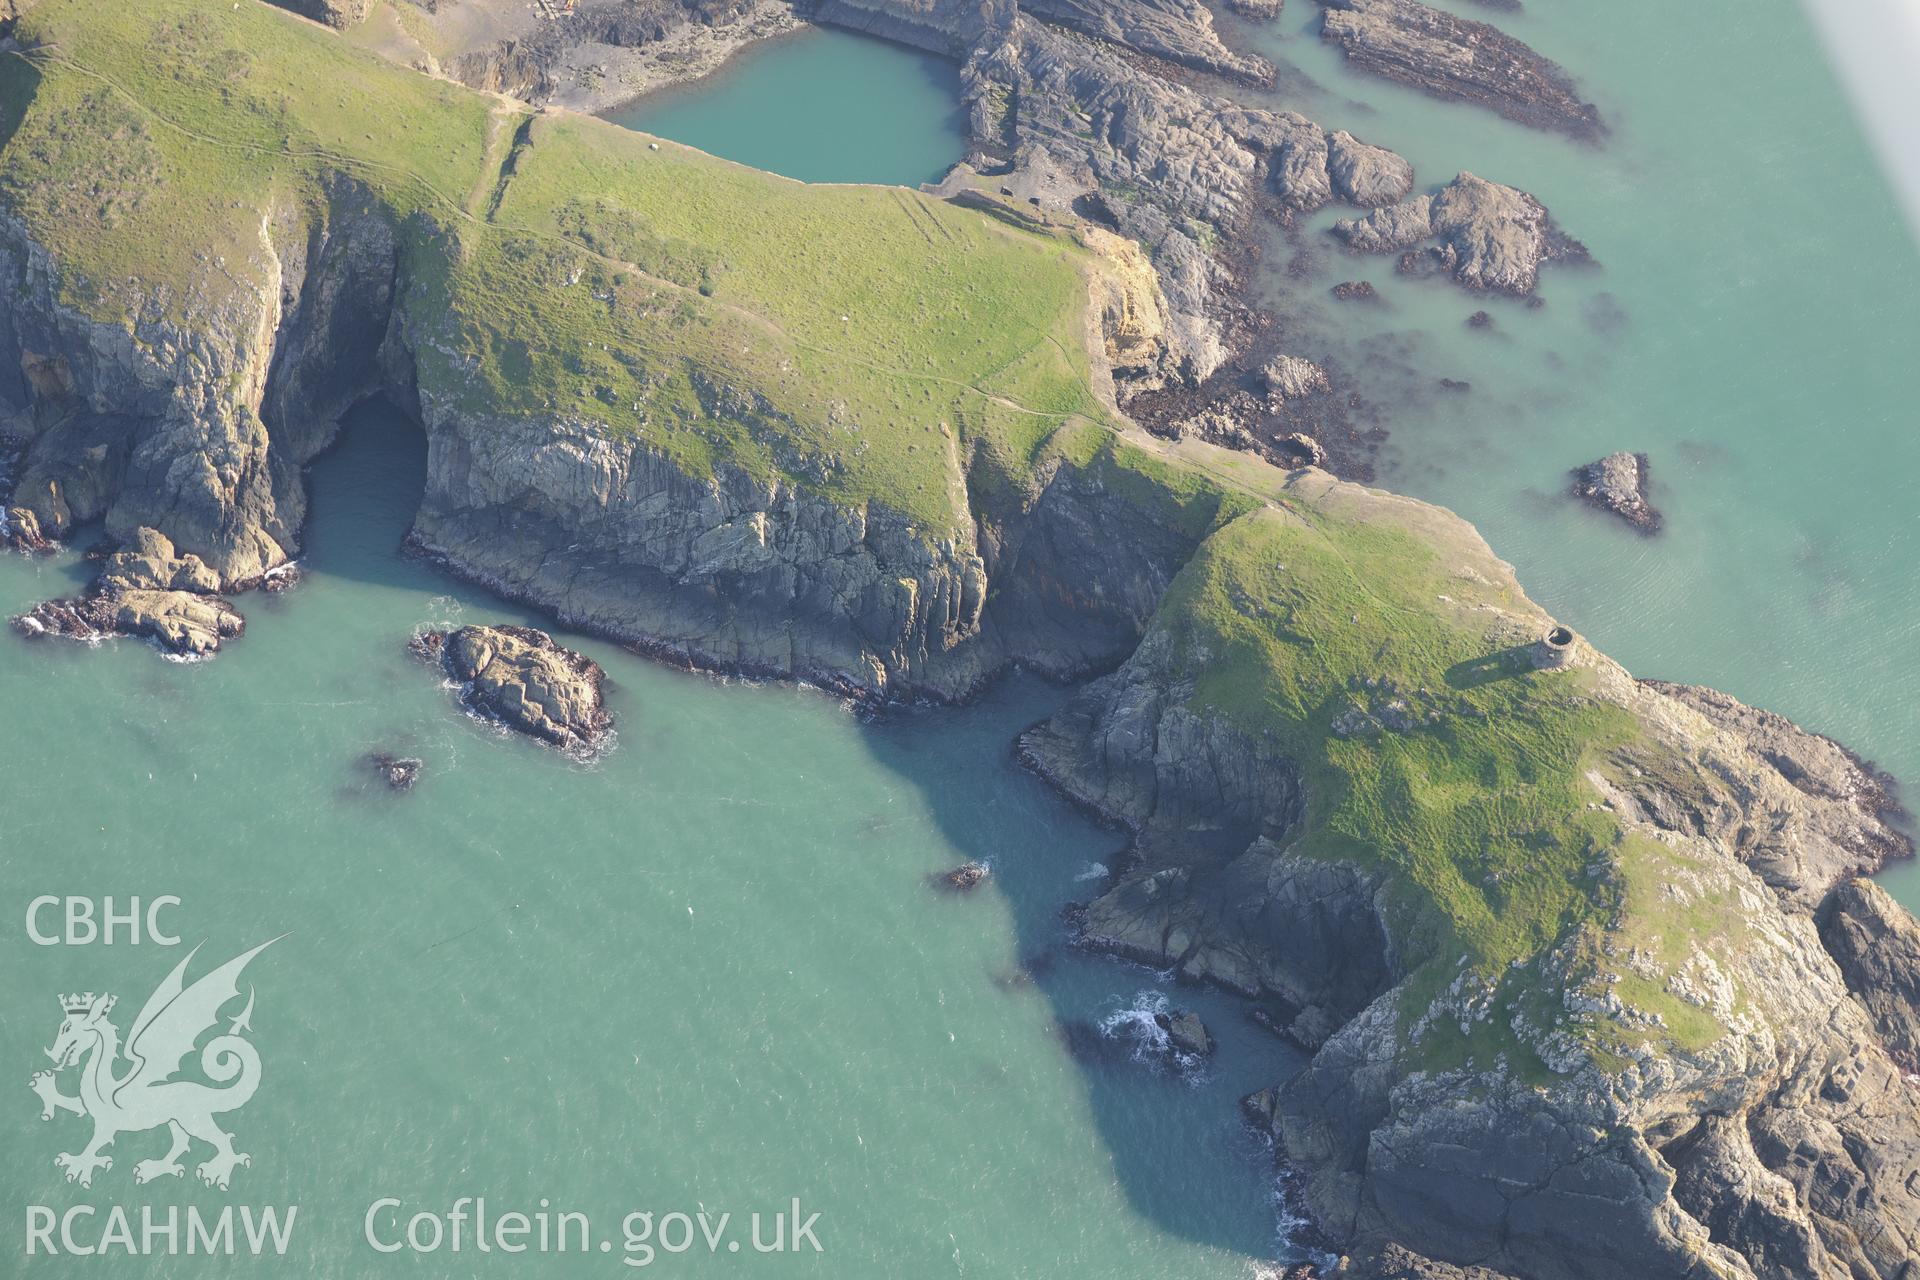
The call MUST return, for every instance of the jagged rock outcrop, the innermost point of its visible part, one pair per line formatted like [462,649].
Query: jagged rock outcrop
[145,590]
[1187,1035]
[520,677]
[1366,175]
[617,539]
[162,422]
[1294,377]
[1876,943]
[602,53]
[1458,58]
[1618,484]
[1485,235]
[1181,31]
[1818,813]
[1171,167]
[150,563]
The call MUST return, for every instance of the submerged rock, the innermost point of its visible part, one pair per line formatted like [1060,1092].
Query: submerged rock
[521,678]
[1459,59]
[1356,291]
[1618,483]
[399,772]
[967,876]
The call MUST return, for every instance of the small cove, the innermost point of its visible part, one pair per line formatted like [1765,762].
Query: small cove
[821,105]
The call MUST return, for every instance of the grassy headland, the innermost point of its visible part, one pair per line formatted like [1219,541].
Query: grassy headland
[870,345]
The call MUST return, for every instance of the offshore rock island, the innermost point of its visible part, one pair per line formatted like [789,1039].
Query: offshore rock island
[1586,976]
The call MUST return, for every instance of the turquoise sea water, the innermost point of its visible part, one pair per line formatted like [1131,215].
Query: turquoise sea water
[708,970]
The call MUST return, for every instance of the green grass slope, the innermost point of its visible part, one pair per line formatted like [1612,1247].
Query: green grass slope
[857,339]
[1375,643]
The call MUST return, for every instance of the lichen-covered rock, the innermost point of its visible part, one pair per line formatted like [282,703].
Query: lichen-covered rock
[1133,310]
[520,677]
[1618,484]
[1458,58]
[1828,816]
[145,589]
[183,622]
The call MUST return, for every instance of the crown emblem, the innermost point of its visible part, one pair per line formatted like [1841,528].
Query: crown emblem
[80,1002]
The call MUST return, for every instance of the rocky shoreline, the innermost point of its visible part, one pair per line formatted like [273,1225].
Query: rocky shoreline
[1086,110]
[1666,1071]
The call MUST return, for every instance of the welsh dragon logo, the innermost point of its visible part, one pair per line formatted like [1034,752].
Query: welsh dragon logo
[144,1095]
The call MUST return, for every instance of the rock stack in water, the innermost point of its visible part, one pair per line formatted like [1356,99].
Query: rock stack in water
[521,678]
[1618,484]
